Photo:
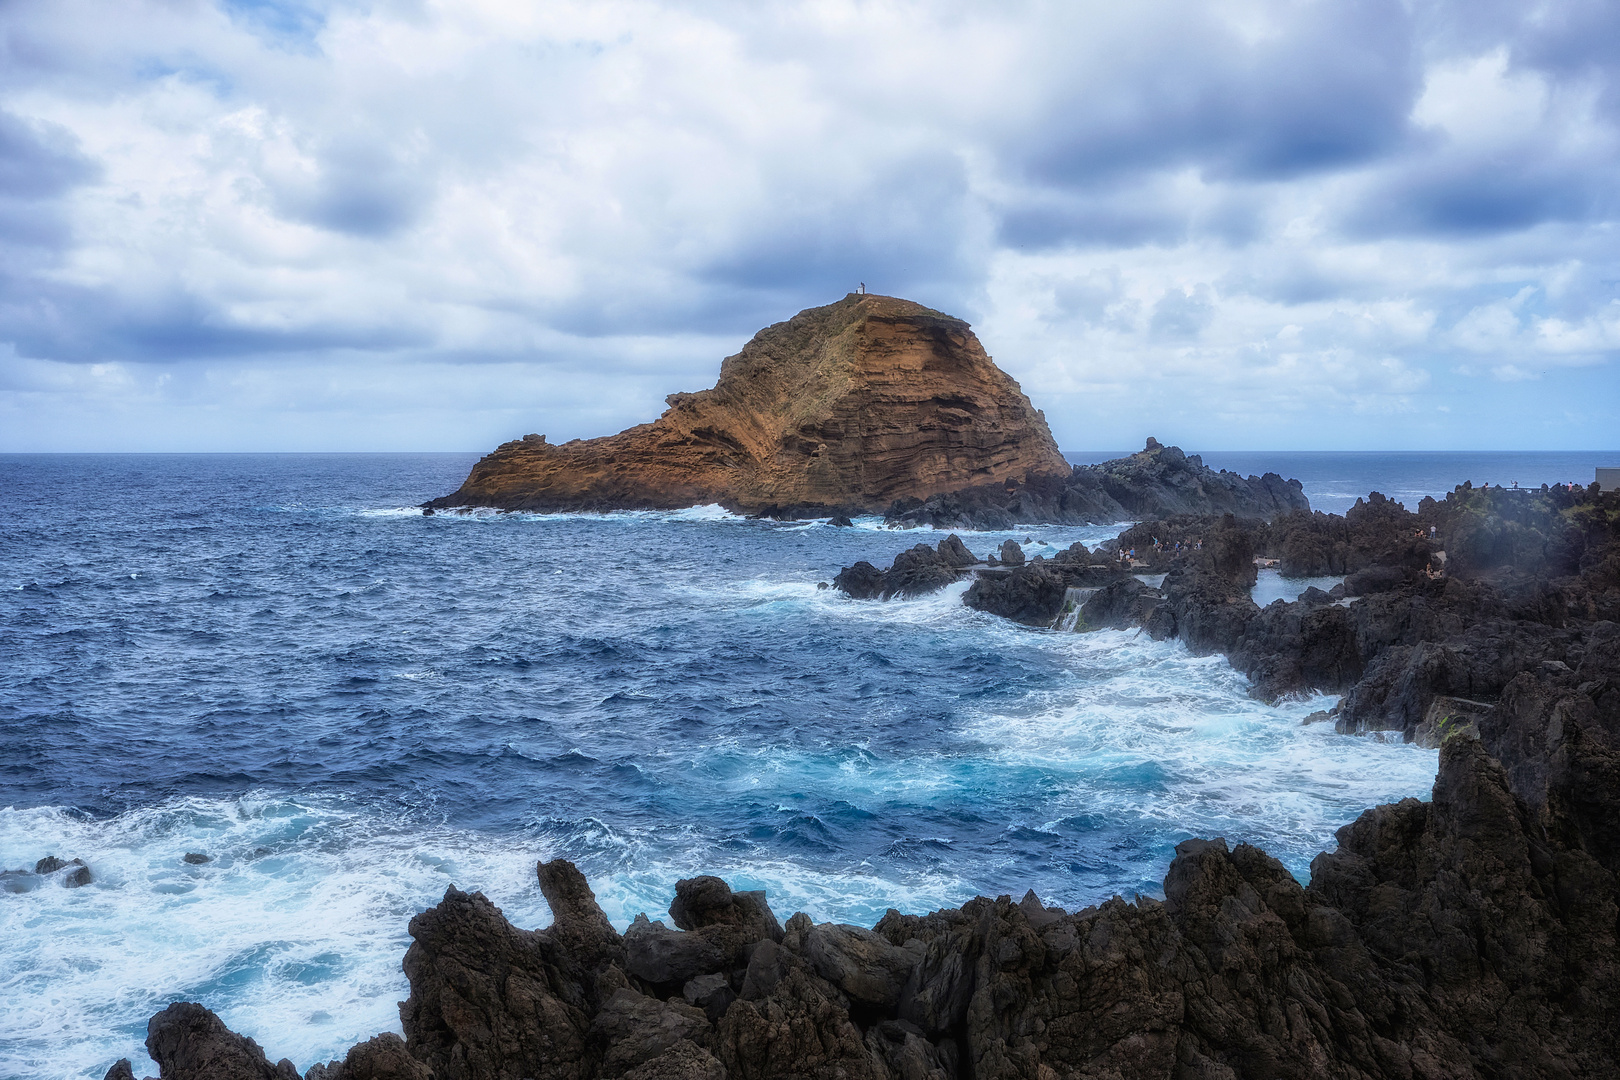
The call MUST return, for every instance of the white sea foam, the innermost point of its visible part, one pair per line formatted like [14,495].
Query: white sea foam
[294,932]
[1222,762]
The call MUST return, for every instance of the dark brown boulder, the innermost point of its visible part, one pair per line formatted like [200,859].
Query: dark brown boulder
[799,1029]
[633,1029]
[484,1001]
[190,1043]
[670,958]
[914,572]
[384,1057]
[1032,594]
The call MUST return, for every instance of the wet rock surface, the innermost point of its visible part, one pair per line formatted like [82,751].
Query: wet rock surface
[915,572]
[1412,623]
[68,873]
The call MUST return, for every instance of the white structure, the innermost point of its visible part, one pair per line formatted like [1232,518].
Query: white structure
[1609,479]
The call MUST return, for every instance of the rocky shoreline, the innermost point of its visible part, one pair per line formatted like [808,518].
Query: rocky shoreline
[1155,482]
[1471,936]
[841,409]
[1444,605]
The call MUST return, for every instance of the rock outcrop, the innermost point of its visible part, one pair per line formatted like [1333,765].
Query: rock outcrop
[1473,936]
[920,570]
[69,873]
[843,408]
[1156,482]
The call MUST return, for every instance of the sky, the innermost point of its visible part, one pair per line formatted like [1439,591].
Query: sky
[255,225]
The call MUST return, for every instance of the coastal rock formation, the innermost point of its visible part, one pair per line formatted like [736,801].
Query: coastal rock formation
[1415,638]
[846,408]
[1412,624]
[1472,936]
[915,572]
[1156,482]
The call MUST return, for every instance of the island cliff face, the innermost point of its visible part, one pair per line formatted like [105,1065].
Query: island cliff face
[844,407]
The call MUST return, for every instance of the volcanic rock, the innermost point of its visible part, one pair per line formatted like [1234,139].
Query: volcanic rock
[1032,594]
[915,572]
[860,962]
[660,955]
[636,1028]
[846,408]
[384,1057]
[190,1043]
[78,872]
[1156,482]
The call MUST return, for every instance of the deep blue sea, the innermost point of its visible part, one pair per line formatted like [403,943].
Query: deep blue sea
[275,661]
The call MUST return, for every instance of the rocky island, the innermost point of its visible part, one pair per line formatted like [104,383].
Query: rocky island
[871,405]
[842,408]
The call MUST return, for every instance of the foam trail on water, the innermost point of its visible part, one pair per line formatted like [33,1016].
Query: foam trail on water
[293,933]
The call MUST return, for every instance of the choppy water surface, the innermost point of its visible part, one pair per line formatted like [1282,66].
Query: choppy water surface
[349,706]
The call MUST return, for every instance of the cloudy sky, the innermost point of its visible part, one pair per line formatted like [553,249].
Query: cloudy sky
[438,224]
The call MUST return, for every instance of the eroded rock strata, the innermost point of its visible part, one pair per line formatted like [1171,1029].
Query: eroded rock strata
[1470,936]
[843,408]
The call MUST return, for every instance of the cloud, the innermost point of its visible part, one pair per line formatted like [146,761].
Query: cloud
[1296,216]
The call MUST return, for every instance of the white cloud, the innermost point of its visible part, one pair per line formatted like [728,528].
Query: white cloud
[1287,215]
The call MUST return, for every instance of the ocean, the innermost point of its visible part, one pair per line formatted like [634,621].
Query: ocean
[275,661]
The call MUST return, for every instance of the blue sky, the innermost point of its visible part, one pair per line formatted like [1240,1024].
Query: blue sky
[425,225]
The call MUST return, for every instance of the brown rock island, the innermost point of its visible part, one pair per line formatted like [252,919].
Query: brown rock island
[843,408]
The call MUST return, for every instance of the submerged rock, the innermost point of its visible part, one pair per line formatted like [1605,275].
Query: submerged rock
[78,874]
